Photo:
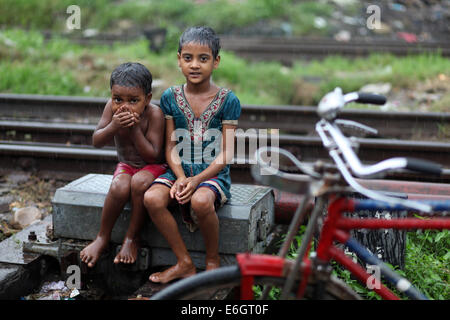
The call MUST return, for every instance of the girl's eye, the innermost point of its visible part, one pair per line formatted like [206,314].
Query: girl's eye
[117,100]
[187,58]
[203,59]
[134,101]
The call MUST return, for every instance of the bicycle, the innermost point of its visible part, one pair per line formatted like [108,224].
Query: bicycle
[310,276]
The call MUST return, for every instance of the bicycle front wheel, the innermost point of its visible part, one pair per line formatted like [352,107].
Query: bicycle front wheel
[224,283]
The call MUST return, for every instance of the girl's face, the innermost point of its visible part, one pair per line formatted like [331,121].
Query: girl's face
[132,98]
[197,62]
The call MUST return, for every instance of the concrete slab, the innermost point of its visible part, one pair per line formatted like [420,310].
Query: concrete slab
[245,221]
[20,272]
[11,249]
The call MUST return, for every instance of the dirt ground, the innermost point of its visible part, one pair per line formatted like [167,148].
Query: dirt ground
[21,189]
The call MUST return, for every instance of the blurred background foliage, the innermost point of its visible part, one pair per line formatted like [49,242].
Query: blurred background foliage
[222,15]
[30,63]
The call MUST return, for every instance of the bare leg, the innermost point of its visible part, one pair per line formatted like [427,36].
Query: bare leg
[140,182]
[156,200]
[117,196]
[202,203]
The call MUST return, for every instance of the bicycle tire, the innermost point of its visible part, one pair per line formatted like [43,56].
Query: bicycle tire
[219,284]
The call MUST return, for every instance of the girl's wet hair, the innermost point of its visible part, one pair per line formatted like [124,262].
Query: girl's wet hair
[203,36]
[132,74]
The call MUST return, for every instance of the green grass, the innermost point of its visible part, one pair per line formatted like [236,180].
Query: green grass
[352,74]
[52,15]
[106,15]
[29,78]
[427,266]
[31,65]
[303,14]
[428,262]
[275,292]
[25,53]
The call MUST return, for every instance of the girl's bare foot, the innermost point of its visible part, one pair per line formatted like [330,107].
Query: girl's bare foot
[180,270]
[128,252]
[92,252]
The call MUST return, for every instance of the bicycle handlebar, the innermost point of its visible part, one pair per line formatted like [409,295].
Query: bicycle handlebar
[341,151]
[340,147]
[355,125]
[370,98]
[332,102]
[333,138]
[423,166]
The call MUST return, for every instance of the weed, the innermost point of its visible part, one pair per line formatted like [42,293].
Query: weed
[29,64]
[427,266]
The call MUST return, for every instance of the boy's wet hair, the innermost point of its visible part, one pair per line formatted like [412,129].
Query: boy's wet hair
[203,36]
[132,74]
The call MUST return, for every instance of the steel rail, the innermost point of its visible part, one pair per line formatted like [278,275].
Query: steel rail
[305,147]
[58,157]
[287,118]
[287,48]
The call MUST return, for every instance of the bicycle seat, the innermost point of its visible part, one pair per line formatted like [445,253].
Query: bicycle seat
[271,175]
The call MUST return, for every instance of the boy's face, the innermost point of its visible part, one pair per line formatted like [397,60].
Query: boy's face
[197,62]
[133,98]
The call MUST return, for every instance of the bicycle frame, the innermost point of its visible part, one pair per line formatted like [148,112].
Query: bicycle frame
[336,228]
[334,184]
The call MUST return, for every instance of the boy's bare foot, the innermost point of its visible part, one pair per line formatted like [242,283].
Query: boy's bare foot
[212,263]
[128,252]
[92,252]
[180,270]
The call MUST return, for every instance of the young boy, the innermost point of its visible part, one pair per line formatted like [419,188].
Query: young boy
[137,127]
[201,177]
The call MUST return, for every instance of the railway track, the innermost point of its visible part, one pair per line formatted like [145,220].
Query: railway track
[288,119]
[307,148]
[30,140]
[81,159]
[288,49]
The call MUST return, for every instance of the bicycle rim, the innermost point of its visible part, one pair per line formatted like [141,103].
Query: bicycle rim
[224,283]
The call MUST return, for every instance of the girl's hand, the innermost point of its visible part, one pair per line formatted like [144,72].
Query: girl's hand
[177,187]
[189,186]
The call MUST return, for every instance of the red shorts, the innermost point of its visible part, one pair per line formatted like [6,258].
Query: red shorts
[155,169]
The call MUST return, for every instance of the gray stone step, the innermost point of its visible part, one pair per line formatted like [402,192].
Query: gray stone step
[245,221]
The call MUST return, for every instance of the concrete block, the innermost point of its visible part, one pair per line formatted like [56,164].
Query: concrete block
[11,249]
[245,221]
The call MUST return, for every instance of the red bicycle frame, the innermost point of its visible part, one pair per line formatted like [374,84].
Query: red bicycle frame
[336,228]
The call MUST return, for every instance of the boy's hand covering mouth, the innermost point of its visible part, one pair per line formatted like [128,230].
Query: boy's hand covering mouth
[136,117]
[122,109]
[116,109]
[125,118]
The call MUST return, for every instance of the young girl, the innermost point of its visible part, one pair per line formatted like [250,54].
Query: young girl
[205,116]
